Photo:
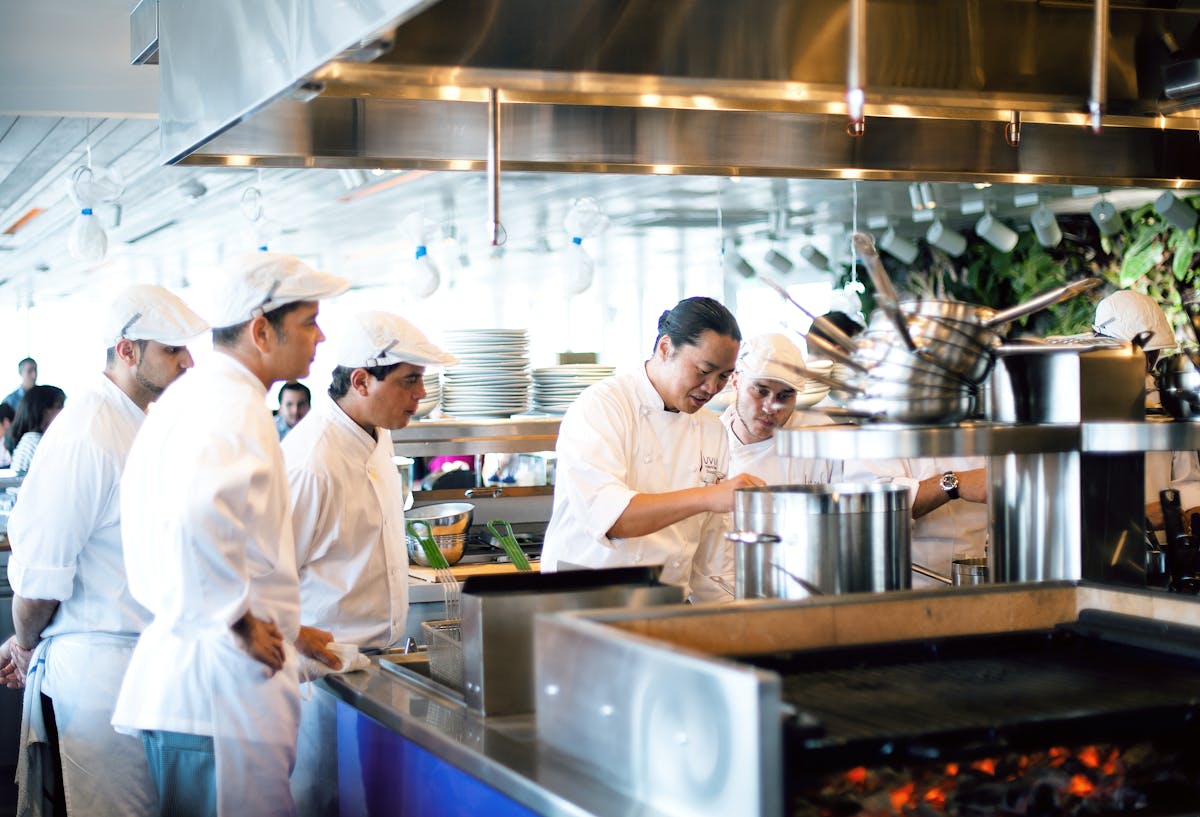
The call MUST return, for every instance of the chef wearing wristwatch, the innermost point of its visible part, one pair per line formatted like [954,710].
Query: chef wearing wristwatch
[948,510]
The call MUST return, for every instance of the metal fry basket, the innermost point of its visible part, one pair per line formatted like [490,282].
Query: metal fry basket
[445,651]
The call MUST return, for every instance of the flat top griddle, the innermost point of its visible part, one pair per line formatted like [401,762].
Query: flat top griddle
[1105,677]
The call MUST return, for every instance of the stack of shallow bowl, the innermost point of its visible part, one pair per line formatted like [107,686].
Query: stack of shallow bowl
[937,382]
[556,387]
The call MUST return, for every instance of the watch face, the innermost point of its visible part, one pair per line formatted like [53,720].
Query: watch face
[949,482]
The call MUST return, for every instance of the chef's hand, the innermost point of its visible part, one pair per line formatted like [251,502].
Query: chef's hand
[10,674]
[261,640]
[312,643]
[722,492]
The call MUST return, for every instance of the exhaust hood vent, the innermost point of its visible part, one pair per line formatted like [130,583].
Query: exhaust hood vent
[682,87]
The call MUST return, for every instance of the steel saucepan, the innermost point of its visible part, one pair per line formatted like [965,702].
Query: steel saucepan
[1178,384]
[997,319]
[934,410]
[955,354]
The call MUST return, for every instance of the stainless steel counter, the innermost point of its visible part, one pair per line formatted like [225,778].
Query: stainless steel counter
[503,753]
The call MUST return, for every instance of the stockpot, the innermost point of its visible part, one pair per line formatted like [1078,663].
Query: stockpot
[842,538]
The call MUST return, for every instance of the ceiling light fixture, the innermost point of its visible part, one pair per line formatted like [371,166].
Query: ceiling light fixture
[1045,227]
[995,233]
[1179,214]
[952,243]
[814,257]
[1107,218]
[735,263]
[901,248]
[927,196]
[778,261]
[915,198]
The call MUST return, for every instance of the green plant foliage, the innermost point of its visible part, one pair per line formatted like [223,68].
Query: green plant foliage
[1148,255]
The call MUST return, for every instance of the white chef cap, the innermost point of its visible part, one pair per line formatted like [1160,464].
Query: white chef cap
[256,283]
[771,356]
[1125,313]
[374,338]
[147,312]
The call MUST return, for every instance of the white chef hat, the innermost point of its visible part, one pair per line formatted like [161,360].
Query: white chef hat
[771,356]
[148,312]
[375,338]
[1125,313]
[256,283]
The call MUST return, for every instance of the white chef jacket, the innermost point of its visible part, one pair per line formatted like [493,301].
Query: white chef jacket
[66,539]
[617,440]
[759,458]
[348,522]
[206,520]
[956,530]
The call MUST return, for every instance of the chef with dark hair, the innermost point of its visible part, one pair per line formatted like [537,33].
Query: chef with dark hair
[642,471]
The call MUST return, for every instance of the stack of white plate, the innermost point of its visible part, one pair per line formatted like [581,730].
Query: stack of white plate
[556,387]
[433,393]
[491,378]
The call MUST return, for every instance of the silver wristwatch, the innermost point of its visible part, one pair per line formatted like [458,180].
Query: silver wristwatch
[949,484]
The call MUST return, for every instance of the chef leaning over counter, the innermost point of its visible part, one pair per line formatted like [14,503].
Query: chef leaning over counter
[641,476]
[76,622]
[206,521]
[348,520]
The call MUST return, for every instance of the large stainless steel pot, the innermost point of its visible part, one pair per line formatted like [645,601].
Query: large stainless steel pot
[844,538]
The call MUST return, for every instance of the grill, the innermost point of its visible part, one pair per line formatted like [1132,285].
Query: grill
[1016,700]
[479,550]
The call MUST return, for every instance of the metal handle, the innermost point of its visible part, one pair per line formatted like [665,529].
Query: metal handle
[1042,301]
[831,382]
[885,292]
[810,588]
[824,324]
[932,574]
[749,537]
[491,491]
[724,585]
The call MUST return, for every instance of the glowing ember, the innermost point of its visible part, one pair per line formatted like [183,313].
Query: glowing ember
[1090,780]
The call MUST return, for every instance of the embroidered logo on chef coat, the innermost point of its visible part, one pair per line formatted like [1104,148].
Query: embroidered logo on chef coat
[710,474]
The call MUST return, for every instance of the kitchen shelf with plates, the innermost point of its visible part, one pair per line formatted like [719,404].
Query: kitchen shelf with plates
[491,378]
[556,387]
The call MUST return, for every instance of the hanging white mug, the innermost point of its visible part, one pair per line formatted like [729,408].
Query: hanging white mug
[996,233]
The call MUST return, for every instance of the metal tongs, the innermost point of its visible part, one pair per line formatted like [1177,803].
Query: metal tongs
[508,542]
[451,589]
[885,293]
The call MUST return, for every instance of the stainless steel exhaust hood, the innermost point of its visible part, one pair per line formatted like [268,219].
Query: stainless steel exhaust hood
[983,90]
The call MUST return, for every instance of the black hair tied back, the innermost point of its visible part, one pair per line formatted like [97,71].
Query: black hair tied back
[691,317]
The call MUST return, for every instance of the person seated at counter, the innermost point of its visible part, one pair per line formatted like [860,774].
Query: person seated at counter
[766,384]
[76,623]
[641,476]
[37,411]
[348,520]
[295,400]
[1123,315]
[27,368]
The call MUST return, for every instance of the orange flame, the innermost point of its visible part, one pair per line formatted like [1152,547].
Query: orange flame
[857,775]
[902,796]
[1080,786]
[1089,756]
[986,765]
[951,769]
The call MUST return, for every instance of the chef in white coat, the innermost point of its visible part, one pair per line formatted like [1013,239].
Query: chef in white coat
[76,623]
[348,519]
[1124,315]
[949,510]
[641,475]
[765,386]
[206,519]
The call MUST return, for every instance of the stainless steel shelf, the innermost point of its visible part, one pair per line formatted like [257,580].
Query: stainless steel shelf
[986,439]
[429,438]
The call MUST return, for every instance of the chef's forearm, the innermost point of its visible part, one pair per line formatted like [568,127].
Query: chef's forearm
[30,617]
[930,497]
[647,513]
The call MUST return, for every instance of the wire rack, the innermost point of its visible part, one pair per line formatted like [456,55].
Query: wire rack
[445,651]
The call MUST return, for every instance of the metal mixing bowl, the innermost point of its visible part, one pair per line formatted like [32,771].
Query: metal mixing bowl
[448,522]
